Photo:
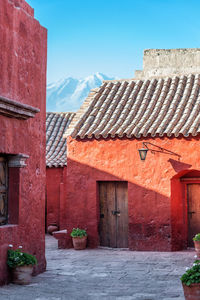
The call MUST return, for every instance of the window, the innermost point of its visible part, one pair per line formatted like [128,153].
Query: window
[3,191]
[10,180]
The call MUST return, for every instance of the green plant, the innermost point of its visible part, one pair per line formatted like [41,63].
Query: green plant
[77,232]
[16,258]
[197,237]
[192,275]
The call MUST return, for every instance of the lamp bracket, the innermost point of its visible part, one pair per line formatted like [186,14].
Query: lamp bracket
[159,149]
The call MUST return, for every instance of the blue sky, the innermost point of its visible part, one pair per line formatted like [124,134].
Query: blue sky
[109,36]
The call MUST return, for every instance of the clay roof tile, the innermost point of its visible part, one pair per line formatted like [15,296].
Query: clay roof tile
[135,108]
[56,125]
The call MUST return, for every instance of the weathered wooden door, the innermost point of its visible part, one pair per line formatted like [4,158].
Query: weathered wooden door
[113,214]
[3,191]
[193,198]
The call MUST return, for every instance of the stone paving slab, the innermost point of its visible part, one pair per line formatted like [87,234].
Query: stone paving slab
[105,274]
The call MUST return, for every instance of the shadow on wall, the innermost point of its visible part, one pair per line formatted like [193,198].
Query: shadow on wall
[150,212]
[178,165]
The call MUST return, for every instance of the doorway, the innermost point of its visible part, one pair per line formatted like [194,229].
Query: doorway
[113,229]
[193,202]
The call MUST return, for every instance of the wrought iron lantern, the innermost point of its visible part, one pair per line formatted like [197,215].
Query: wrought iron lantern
[143,153]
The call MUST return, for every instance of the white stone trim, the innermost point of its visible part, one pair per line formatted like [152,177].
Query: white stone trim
[17,161]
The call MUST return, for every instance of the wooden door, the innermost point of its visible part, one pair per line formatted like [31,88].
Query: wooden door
[113,214]
[3,191]
[193,198]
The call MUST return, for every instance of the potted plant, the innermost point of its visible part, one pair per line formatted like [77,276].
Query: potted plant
[21,265]
[79,238]
[191,281]
[196,240]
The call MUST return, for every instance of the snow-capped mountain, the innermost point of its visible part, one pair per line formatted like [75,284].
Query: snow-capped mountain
[68,94]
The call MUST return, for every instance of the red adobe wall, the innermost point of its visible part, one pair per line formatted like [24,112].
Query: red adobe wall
[156,217]
[23,50]
[55,190]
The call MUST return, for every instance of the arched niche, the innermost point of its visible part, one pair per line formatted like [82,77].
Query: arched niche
[185,191]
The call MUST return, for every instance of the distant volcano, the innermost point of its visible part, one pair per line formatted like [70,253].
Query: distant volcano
[68,94]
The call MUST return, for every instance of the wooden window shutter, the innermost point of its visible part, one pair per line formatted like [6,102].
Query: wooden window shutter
[3,191]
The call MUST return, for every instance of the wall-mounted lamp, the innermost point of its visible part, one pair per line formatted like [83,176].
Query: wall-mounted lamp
[144,150]
[143,153]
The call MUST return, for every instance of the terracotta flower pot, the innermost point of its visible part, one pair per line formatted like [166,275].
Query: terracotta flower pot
[197,248]
[79,243]
[22,274]
[192,292]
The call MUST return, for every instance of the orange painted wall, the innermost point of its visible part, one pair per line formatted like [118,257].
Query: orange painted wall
[156,218]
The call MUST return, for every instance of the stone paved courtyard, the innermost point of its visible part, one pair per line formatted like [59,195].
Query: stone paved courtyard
[105,274]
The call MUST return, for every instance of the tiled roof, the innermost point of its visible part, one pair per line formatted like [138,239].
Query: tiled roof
[130,108]
[56,125]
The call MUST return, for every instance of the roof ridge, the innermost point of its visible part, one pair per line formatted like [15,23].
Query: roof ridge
[60,112]
[172,75]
